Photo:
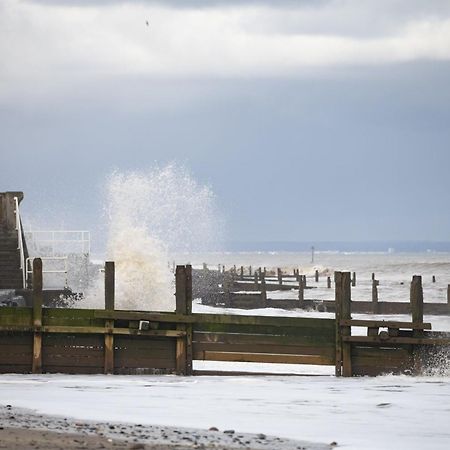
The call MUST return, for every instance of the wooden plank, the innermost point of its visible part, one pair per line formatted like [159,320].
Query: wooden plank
[386,323]
[138,352]
[57,359]
[73,340]
[375,351]
[262,339]
[374,371]
[7,339]
[264,358]
[217,318]
[75,370]
[281,350]
[71,317]
[16,355]
[20,316]
[397,340]
[37,316]
[98,330]
[15,368]
[318,333]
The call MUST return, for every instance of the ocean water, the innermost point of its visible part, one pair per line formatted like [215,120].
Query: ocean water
[387,412]
[393,270]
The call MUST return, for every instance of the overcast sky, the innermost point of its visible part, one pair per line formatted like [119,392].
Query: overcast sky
[310,120]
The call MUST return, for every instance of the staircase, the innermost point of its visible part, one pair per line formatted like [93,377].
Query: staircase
[10,271]
[11,276]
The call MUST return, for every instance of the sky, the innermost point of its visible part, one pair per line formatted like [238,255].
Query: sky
[323,120]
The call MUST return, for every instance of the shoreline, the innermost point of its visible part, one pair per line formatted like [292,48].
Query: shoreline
[22,428]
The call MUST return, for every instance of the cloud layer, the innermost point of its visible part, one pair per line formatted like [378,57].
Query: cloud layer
[53,44]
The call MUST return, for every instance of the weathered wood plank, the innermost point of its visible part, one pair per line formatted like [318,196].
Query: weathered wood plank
[397,340]
[262,339]
[217,318]
[256,348]
[96,330]
[386,323]
[263,358]
[266,330]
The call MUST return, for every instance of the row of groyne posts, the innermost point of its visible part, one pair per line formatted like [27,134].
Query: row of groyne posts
[68,340]
[247,288]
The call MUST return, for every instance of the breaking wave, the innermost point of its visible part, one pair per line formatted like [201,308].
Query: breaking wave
[150,216]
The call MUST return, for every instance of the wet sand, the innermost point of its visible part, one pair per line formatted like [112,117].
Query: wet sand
[25,429]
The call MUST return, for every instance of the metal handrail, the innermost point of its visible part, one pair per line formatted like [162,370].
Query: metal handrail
[20,241]
[29,265]
[84,240]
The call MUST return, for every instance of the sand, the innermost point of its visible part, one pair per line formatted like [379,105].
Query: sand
[24,429]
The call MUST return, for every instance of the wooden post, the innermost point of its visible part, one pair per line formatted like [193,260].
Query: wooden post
[416,297]
[317,276]
[373,276]
[263,291]
[375,284]
[329,282]
[250,270]
[183,301]
[259,272]
[304,281]
[343,312]
[301,292]
[242,273]
[205,267]
[109,324]
[227,288]
[109,285]
[255,276]
[280,276]
[189,329]
[37,315]
[433,279]
[448,294]
[354,279]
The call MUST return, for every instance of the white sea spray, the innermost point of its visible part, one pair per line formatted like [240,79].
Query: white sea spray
[150,215]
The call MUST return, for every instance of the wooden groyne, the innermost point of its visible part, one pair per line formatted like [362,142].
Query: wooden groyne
[245,292]
[85,341]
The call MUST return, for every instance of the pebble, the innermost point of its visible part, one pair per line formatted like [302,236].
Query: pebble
[136,435]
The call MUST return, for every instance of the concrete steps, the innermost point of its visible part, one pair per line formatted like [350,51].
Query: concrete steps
[10,272]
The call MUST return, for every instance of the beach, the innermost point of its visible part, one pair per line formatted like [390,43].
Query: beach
[24,429]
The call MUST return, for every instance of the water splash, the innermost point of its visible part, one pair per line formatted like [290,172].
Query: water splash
[151,215]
